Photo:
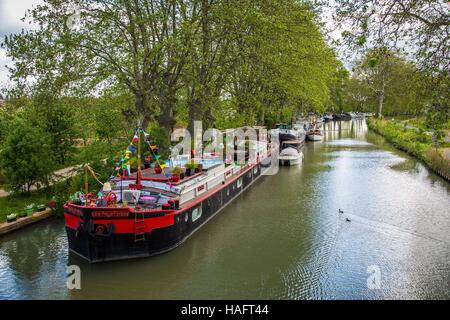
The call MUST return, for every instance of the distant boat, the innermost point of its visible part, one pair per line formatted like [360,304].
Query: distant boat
[290,133]
[315,134]
[328,117]
[342,116]
[291,153]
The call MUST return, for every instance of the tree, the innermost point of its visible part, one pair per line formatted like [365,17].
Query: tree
[56,117]
[422,27]
[281,61]
[262,58]
[26,157]
[357,95]
[389,83]
[375,69]
[128,42]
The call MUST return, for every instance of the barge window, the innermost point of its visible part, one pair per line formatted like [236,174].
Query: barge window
[196,213]
[239,183]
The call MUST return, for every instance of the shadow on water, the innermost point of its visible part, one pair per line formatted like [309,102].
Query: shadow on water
[282,239]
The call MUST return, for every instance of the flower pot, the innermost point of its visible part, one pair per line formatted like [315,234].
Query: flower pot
[41,207]
[182,176]
[197,170]
[175,178]
[52,204]
[29,211]
[158,170]
[11,218]
[188,172]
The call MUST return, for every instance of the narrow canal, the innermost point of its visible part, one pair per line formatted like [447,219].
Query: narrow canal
[282,239]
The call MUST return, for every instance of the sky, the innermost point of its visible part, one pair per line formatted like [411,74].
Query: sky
[11,11]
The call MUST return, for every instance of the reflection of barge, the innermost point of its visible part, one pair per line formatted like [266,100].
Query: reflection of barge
[149,213]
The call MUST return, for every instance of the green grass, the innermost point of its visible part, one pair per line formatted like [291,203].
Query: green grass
[17,203]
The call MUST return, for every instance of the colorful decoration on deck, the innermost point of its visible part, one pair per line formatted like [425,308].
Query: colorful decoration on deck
[123,168]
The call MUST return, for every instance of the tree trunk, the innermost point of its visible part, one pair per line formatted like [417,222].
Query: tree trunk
[167,117]
[195,114]
[142,110]
[380,104]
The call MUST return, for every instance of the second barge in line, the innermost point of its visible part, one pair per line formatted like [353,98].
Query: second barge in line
[152,212]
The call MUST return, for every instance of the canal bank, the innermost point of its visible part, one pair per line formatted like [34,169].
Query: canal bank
[416,143]
[281,239]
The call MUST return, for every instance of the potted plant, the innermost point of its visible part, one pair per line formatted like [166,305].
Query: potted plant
[158,169]
[41,207]
[176,172]
[29,210]
[189,169]
[52,204]
[22,214]
[11,218]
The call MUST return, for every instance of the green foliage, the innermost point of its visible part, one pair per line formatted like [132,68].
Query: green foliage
[385,82]
[108,121]
[56,117]
[17,203]
[26,157]
[422,26]
[262,57]
[158,136]
[438,115]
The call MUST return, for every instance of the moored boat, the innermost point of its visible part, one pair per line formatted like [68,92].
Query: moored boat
[291,153]
[153,211]
[287,132]
[315,134]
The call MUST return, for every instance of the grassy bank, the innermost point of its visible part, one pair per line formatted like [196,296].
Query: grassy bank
[17,203]
[413,138]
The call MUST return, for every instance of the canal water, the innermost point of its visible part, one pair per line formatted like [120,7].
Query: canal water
[284,238]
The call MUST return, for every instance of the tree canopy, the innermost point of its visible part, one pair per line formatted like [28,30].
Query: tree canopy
[262,56]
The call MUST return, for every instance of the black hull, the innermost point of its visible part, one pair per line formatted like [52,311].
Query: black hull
[120,246]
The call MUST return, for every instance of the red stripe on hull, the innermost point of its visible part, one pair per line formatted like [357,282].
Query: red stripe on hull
[122,226]
[72,222]
[129,226]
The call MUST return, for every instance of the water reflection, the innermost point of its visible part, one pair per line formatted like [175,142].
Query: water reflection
[283,239]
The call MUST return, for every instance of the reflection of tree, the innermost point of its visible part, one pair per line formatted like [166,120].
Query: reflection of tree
[29,249]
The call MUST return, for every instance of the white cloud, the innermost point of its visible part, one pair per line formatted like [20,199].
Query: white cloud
[11,13]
